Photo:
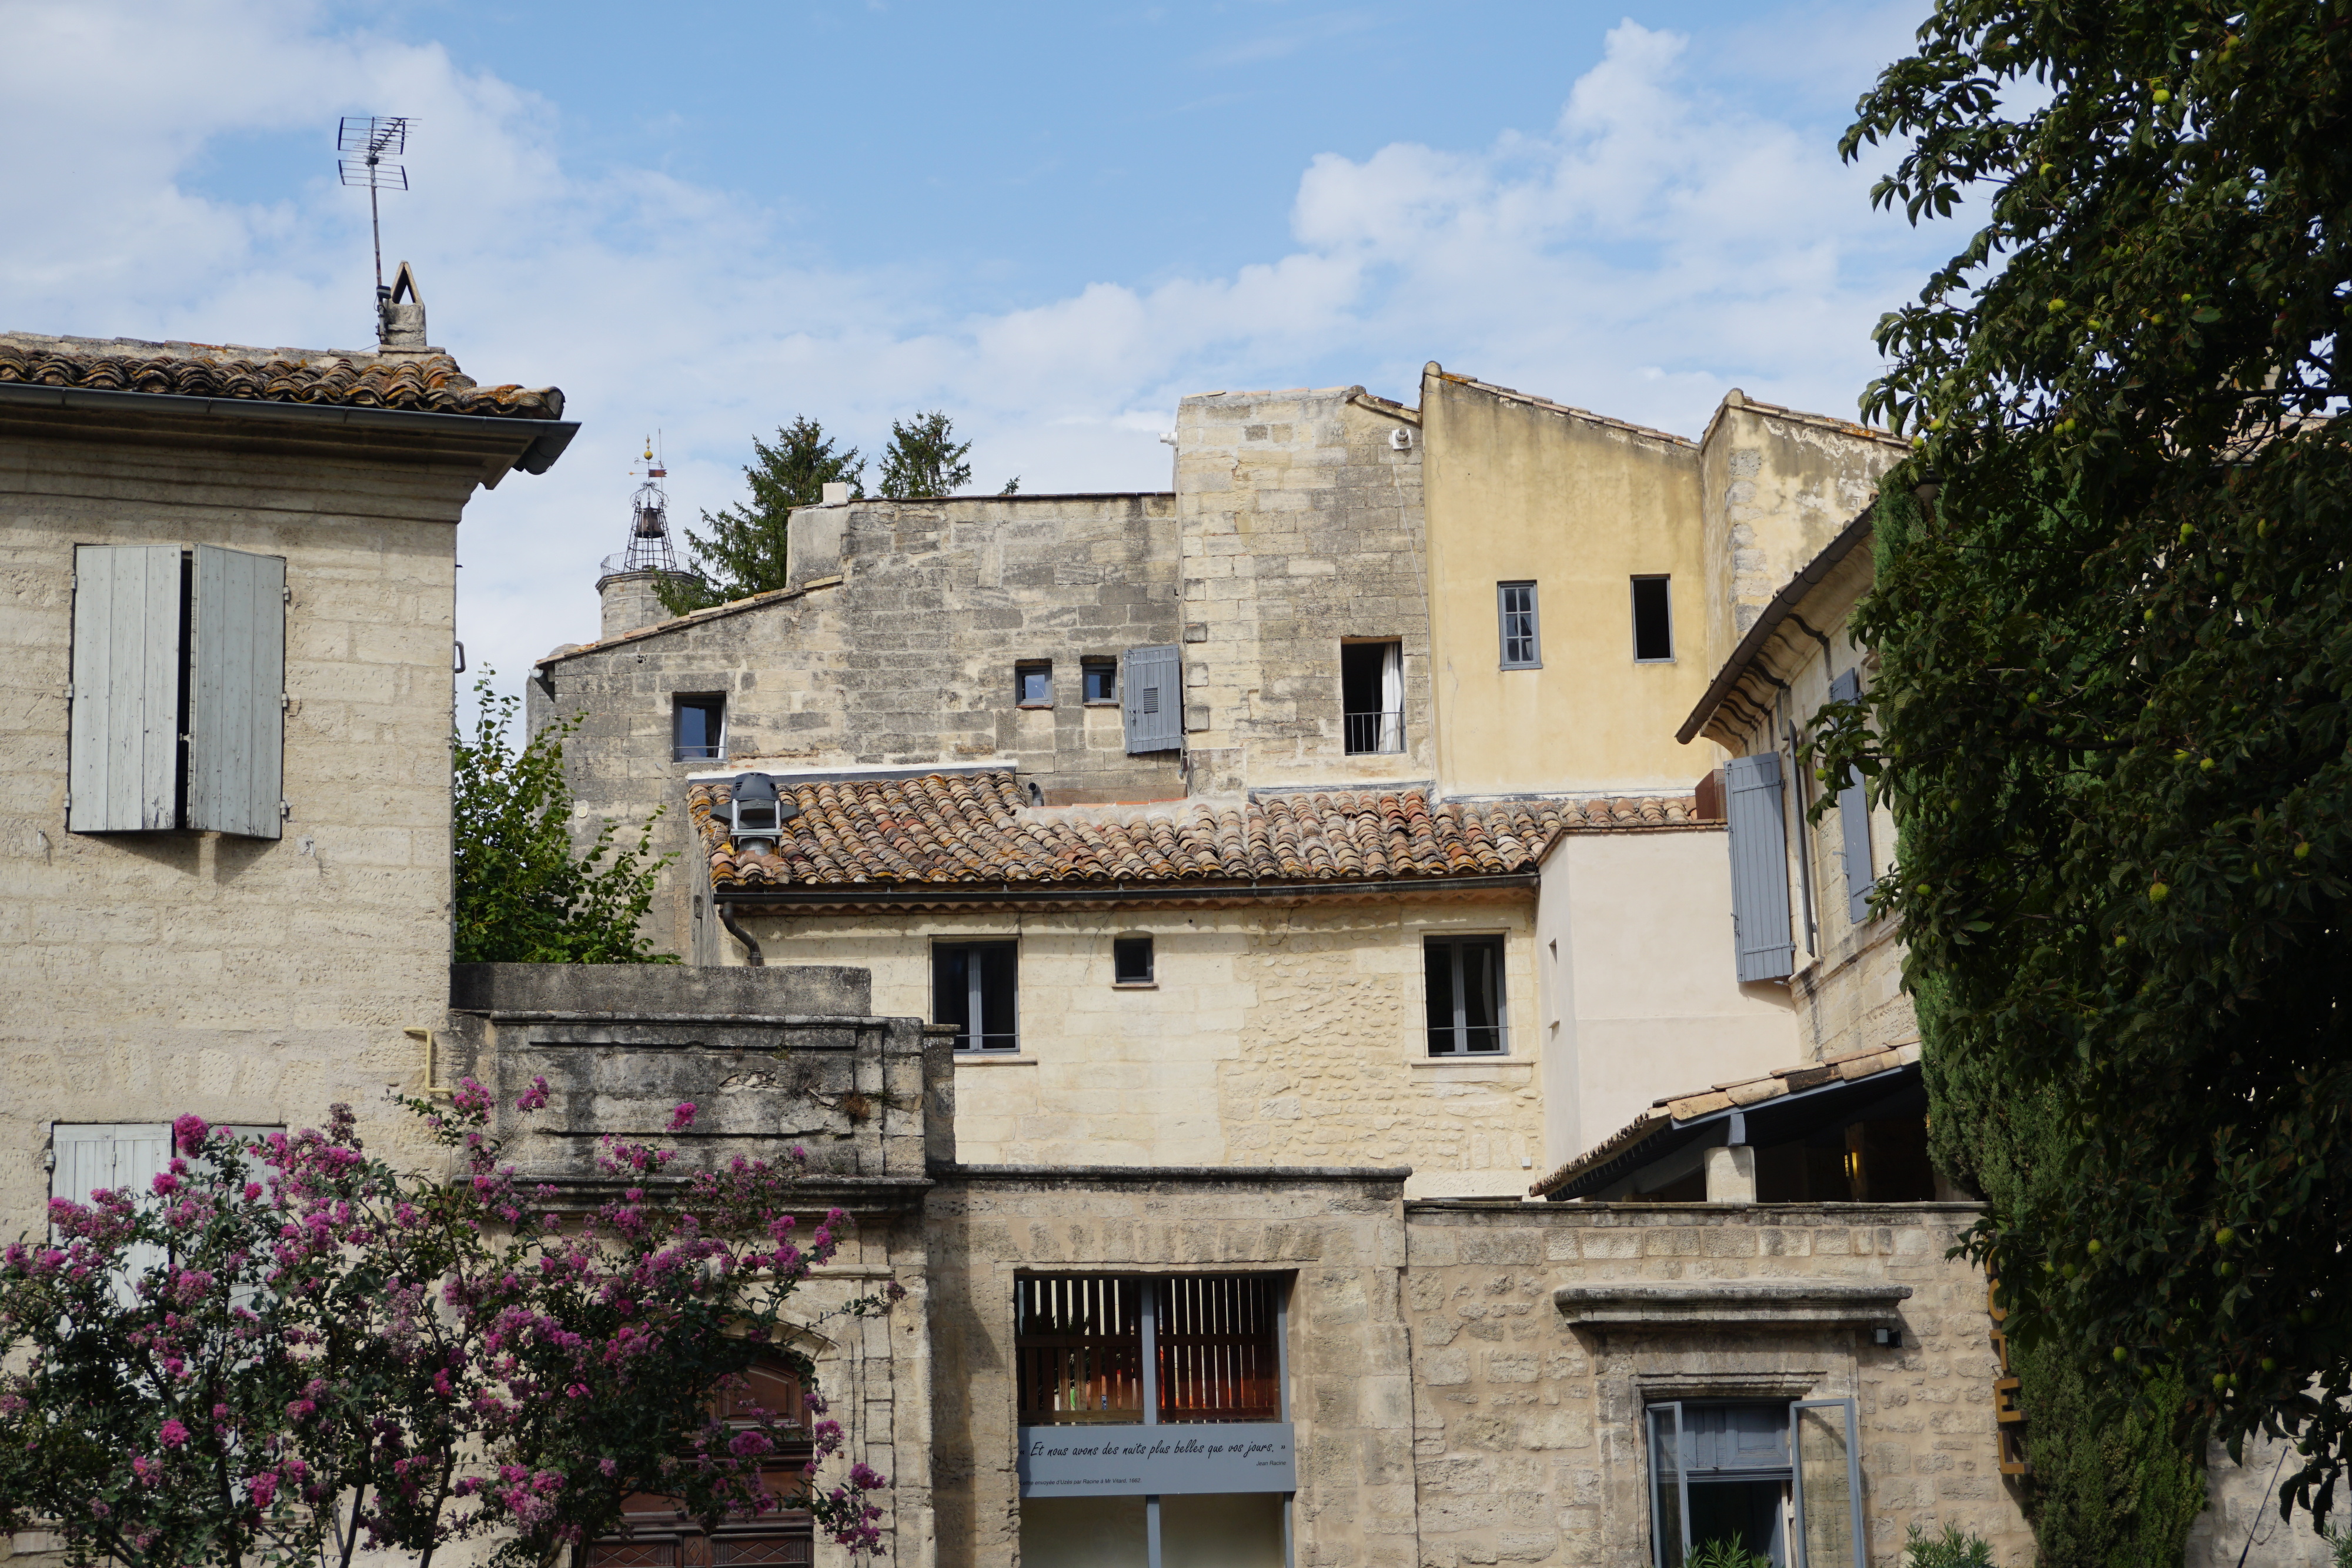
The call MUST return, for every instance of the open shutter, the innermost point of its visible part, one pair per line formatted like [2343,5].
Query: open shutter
[237,720]
[123,769]
[1759,867]
[1152,698]
[1854,818]
[1669,1490]
[1826,1471]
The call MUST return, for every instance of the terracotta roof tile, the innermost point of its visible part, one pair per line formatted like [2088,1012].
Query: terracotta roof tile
[427,382]
[973,828]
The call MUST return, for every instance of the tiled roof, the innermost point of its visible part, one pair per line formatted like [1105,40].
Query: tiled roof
[427,382]
[973,828]
[1692,1105]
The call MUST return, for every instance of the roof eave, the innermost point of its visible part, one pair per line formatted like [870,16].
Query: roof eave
[1784,604]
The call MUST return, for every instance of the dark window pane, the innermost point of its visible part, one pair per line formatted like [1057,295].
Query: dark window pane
[1078,1351]
[1215,1342]
[1482,995]
[1465,987]
[1438,957]
[1518,601]
[950,990]
[698,728]
[1654,632]
[1130,958]
[1036,683]
[997,996]
[1102,683]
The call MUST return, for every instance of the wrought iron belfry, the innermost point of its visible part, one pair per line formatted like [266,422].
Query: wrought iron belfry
[649,545]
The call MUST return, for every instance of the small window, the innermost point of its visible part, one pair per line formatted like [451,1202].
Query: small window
[1033,684]
[1130,961]
[1654,622]
[1372,697]
[700,730]
[1464,976]
[1517,603]
[1102,680]
[973,987]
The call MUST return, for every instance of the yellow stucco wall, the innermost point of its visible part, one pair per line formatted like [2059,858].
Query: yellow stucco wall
[1517,490]
[1285,1036]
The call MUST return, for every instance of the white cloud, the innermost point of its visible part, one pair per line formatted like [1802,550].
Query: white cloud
[1657,244]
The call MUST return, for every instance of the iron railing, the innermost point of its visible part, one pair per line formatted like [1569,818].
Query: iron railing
[1370,733]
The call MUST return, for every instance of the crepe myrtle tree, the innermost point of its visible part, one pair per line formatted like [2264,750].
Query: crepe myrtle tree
[2113,711]
[289,1351]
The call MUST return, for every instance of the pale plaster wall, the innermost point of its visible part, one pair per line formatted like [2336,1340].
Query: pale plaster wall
[246,980]
[1341,1241]
[1285,1036]
[1301,528]
[1529,1443]
[1633,951]
[1519,490]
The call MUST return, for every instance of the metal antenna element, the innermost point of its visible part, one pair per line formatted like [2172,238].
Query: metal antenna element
[649,547]
[374,138]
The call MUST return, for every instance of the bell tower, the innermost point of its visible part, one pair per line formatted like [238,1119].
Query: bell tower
[630,576]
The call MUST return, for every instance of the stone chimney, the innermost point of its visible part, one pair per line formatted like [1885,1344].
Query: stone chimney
[400,312]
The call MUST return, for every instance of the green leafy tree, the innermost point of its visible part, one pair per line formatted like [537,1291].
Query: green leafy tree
[743,553]
[924,458]
[2112,709]
[524,893]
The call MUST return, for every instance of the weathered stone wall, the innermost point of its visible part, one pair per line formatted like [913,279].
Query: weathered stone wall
[250,981]
[902,653]
[1528,1429]
[1282,1036]
[1301,529]
[1338,1236]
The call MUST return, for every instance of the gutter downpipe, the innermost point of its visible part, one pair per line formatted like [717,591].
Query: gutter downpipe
[751,955]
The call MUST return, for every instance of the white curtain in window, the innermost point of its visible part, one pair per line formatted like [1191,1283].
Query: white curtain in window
[1392,697]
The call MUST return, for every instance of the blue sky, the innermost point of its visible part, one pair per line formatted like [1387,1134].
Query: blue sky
[1050,220]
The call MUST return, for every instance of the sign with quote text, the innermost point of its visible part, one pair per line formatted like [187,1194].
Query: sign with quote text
[1171,1461]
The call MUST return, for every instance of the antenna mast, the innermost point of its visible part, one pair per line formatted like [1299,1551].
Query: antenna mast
[374,138]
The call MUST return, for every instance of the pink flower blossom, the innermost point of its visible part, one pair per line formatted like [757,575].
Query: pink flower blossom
[683,1117]
[173,1434]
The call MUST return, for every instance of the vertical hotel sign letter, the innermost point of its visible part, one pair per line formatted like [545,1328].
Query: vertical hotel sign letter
[2010,1421]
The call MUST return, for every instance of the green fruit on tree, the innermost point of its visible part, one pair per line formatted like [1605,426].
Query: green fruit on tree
[2157,893]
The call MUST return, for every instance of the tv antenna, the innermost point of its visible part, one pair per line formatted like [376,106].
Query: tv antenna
[367,141]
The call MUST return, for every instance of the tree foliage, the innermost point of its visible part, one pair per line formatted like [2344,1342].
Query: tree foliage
[2111,712]
[524,894]
[924,458]
[289,1351]
[743,553]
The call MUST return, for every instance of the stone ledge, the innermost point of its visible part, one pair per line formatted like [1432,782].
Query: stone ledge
[1730,1303]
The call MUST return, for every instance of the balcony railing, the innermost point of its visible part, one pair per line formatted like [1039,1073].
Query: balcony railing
[1371,733]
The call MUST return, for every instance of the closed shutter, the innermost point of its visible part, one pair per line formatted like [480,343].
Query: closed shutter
[236,721]
[92,1155]
[1153,698]
[1759,867]
[124,747]
[1854,818]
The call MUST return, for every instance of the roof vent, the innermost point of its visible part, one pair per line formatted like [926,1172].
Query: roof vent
[756,815]
[402,309]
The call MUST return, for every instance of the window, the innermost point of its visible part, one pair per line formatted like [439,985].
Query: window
[1192,1348]
[1521,650]
[1033,684]
[654,1532]
[1101,679]
[1130,961]
[1151,699]
[1464,985]
[698,733]
[972,987]
[1743,1473]
[1654,622]
[1372,697]
[179,691]
[87,1157]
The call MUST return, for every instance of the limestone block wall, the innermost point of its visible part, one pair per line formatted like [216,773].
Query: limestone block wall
[1528,1442]
[1301,529]
[1336,1235]
[903,655]
[1284,1036]
[1777,485]
[247,980]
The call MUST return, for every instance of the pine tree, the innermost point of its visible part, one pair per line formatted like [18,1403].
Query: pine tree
[924,458]
[743,553]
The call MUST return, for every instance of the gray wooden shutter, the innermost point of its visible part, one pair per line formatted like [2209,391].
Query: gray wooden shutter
[88,1156]
[1854,820]
[1152,694]
[236,719]
[1759,867]
[123,769]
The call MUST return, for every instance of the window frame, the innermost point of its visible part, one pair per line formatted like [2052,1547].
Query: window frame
[1024,668]
[1503,614]
[704,702]
[975,993]
[1385,729]
[1154,1297]
[1088,669]
[1151,976]
[1454,942]
[1633,603]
